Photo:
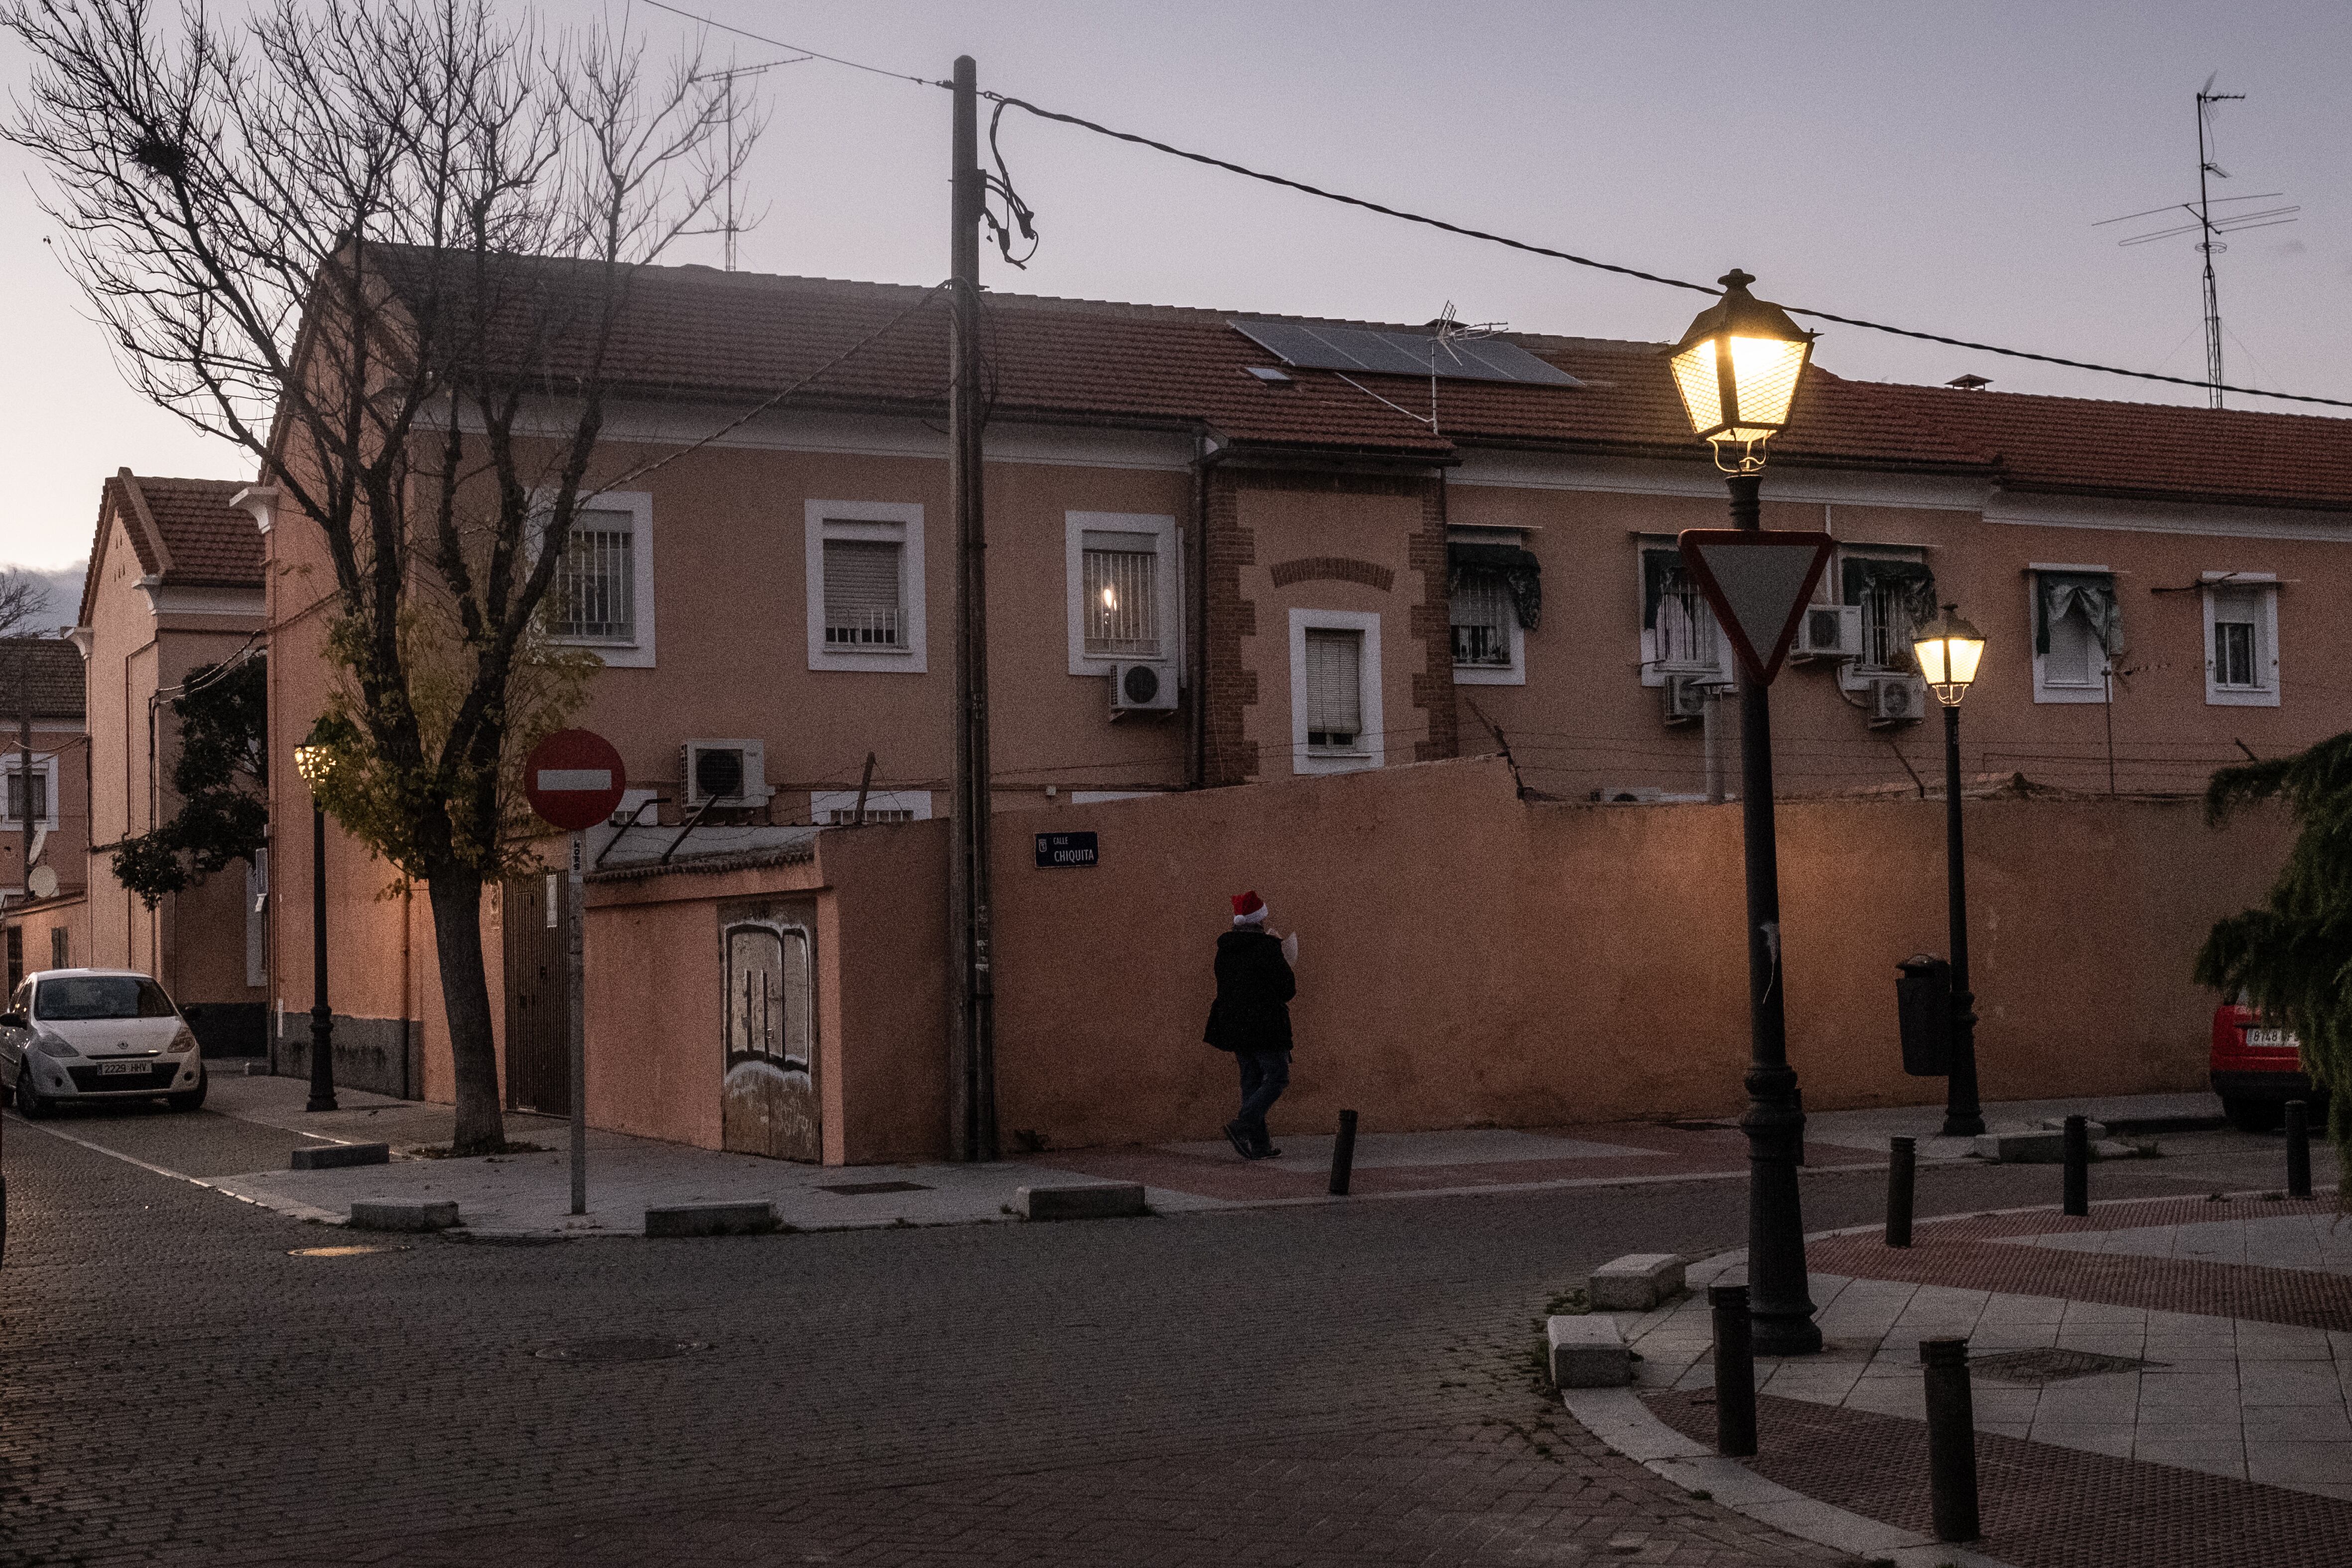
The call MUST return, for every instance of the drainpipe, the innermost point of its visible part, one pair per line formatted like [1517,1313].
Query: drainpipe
[1208,455]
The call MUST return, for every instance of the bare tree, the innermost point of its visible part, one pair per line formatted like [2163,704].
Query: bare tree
[384,246]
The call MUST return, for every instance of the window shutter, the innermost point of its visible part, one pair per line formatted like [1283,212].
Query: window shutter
[862,604]
[1335,689]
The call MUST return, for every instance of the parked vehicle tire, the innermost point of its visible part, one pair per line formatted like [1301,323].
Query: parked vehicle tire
[191,1099]
[30,1100]
[2253,1115]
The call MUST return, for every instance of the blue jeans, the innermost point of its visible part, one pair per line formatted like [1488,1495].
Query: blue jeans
[1265,1074]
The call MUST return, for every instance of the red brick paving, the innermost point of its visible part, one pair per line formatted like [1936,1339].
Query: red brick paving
[1969,1254]
[2041,1507]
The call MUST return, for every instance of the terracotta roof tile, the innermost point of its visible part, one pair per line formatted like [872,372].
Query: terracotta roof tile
[209,543]
[53,674]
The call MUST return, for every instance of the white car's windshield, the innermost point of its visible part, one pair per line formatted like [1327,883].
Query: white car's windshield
[101,996]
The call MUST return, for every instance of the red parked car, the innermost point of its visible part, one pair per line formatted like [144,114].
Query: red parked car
[2257,1067]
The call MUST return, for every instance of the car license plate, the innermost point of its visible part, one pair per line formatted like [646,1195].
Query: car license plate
[2269,1039]
[108,1069]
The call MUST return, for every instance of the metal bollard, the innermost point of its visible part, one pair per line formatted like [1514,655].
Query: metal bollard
[1902,1166]
[1343,1154]
[1734,1372]
[2298,1149]
[2078,1165]
[1951,1438]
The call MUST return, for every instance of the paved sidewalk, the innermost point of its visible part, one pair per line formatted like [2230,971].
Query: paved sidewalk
[2164,1381]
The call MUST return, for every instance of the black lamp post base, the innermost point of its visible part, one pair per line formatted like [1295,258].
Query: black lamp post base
[1780,1295]
[1963,1126]
[323,1061]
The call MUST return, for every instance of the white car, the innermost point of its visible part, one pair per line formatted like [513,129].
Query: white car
[82,1037]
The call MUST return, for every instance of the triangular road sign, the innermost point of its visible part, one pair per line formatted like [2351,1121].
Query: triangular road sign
[1759,582]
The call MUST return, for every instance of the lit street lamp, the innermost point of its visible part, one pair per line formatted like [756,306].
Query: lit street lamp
[1737,370]
[314,759]
[1947,653]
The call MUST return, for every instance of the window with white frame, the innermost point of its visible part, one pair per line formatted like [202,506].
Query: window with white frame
[866,587]
[838,807]
[2077,632]
[1679,635]
[1494,596]
[601,596]
[1335,690]
[2241,640]
[1125,578]
[36,791]
[1897,593]
[1479,618]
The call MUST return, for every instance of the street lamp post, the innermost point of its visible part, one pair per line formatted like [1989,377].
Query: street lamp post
[1948,652]
[1737,370]
[314,760]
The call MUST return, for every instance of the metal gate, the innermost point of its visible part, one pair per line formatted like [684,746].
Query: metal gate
[539,996]
[768,960]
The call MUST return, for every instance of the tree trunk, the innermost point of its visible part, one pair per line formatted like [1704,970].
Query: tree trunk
[456,898]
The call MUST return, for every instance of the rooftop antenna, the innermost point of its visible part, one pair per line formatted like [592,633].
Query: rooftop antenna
[731,221]
[1448,330]
[2208,226]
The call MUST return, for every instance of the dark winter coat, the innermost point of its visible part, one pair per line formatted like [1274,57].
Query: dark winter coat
[1254,986]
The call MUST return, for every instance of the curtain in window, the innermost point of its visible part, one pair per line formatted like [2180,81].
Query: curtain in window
[1674,608]
[1122,609]
[1520,573]
[18,791]
[1335,690]
[1897,598]
[2061,594]
[862,606]
[1480,614]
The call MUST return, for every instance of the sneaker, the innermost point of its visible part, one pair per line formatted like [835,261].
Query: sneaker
[1269,1152]
[1238,1136]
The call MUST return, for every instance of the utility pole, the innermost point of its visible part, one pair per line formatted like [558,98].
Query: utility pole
[972,1056]
[25,757]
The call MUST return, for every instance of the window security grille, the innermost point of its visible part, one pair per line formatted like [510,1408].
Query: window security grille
[1686,634]
[2235,641]
[844,815]
[1122,609]
[1481,616]
[1886,628]
[594,589]
[1335,689]
[862,604]
[17,793]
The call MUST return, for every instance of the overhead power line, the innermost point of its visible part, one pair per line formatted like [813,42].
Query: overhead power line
[1526,247]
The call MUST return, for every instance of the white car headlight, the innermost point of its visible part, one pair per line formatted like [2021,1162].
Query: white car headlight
[54,1045]
[183,1044]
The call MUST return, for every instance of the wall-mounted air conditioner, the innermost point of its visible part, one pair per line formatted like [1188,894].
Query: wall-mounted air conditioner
[1897,699]
[724,774]
[1142,688]
[1687,696]
[1828,631]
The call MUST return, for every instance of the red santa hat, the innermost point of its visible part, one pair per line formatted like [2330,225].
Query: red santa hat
[1249,909]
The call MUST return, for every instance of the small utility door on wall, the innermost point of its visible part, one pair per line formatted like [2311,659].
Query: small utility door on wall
[768,967]
[539,994]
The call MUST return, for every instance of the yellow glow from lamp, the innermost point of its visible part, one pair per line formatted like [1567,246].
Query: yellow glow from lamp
[1737,370]
[1948,652]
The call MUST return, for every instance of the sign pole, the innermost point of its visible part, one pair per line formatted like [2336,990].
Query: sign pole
[576,944]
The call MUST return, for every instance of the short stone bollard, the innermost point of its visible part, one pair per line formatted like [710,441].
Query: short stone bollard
[1588,1352]
[2298,1149]
[1343,1154]
[402,1214]
[1734,1372]
[335,1157]
[1100,1200]
[1902,1173]
[2077,1135]
[1636,1283]
[1951,1438]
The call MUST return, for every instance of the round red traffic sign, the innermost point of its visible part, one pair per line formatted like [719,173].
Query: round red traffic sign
[573,779]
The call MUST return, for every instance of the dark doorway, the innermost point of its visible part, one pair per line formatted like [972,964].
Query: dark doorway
[539,1043]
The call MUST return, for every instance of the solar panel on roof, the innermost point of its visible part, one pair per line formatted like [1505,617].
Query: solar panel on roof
[1370,351]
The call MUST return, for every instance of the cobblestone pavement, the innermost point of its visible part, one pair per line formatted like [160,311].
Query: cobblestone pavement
[179,1384]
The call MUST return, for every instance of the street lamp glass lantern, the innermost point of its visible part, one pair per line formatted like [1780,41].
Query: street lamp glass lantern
[1738,371]
[1947,652]
[314,759]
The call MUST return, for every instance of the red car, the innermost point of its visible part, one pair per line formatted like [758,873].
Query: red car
[2257,1067]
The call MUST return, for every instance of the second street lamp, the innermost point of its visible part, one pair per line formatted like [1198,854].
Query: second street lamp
[1737,369]
[1948,652]
[314,759]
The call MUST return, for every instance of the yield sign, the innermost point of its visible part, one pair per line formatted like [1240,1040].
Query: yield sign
[1759,582]
[573,779]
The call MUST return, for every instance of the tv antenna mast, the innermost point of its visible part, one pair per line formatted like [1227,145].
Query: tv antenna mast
[731,221]
[2208,226]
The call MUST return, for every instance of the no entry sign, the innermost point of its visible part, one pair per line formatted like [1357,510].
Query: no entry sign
[1759,582]
[573,779]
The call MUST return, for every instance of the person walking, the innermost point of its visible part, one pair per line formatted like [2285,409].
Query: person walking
[1251,1018]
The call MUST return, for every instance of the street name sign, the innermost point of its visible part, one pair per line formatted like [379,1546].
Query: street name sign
[1758,582]
[573,779]
[1059,849]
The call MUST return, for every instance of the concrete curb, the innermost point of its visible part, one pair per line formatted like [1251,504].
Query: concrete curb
[752,1218]
[1095,1200]
[335,1157]
[402,1214]
[1618,1418]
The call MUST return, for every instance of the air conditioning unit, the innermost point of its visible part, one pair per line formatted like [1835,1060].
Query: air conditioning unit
[1897,699]
[1828,631]
[1142,688]
[1687,696]
[724,774]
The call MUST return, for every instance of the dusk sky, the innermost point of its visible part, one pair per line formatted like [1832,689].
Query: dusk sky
[1936,166]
